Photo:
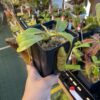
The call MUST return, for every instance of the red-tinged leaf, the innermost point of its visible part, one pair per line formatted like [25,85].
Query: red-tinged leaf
[96,36]
[95,50]
[74,59]
[88,41]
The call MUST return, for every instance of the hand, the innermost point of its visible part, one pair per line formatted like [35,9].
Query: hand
[37,87]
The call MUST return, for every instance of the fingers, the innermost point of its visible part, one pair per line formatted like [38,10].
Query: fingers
[32,72]
[51,80]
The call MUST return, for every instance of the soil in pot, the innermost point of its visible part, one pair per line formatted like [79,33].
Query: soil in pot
[52,43]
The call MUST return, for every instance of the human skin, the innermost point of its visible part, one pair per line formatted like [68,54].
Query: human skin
[37,87]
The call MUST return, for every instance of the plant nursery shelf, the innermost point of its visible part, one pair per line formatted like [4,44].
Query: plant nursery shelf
[76,89]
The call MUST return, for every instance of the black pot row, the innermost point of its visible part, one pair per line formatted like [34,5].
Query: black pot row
[85,89]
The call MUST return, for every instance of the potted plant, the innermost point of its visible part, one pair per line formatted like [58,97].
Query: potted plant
[44,17]
[27,21]
[74,17]
[78,9]
[87,54]
[87,27]
[45,45]
[15,3]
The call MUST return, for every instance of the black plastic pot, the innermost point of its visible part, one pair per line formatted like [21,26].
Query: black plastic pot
[23,23]
[46,61]
[47,24]
[89,33]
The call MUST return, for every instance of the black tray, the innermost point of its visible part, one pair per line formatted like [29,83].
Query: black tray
[69,79]
[94,88]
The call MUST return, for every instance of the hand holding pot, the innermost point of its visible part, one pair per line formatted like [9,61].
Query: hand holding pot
[37,87]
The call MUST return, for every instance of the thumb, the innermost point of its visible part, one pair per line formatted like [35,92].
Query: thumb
[51,80]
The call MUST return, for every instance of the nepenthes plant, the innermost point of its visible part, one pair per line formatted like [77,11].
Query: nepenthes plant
[48,40]
[88,53]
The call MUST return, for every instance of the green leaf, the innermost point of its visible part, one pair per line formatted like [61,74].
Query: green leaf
[78,43]
[32,30]
[77,53]
[70,67]
[67,36]
[84,45]
[95,70]
[98,12]
[28,38]
[60,26]
[61,58]
[95,60]
[27,34]
[87,27]
[26,43]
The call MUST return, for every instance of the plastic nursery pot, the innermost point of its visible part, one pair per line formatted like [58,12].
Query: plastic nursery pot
[89,33]
[49,24]
[23,23]
[46,61]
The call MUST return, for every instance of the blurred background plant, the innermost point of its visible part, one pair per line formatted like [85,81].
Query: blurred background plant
[87,53]
[78,9]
